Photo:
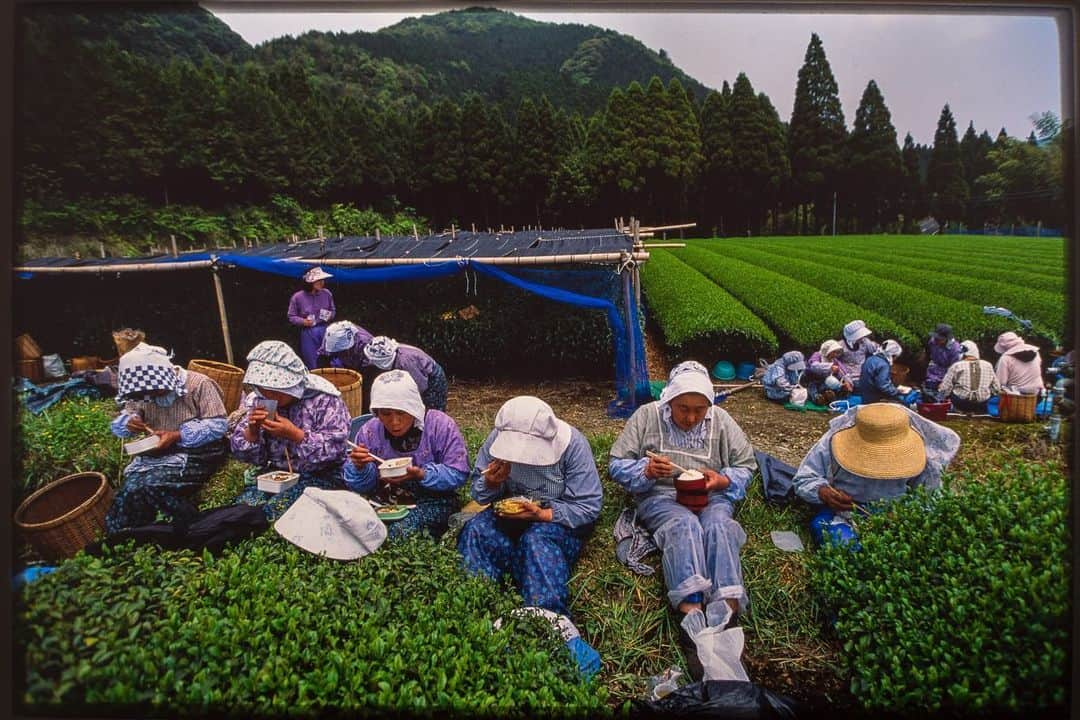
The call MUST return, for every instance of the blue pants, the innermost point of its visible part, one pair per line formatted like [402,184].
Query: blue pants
[431,514]
[700,551]
[434,396]
[166,484]
[823,529]
[310,341]
[538,555]
[275,505]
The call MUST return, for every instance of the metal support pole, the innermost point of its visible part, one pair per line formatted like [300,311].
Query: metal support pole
[224,317]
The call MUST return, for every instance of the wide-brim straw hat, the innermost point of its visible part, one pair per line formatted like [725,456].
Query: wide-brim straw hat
[881,445]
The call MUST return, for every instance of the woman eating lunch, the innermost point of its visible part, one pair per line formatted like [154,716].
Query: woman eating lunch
[548,466]
[403,427]
[292,420]
[699,538]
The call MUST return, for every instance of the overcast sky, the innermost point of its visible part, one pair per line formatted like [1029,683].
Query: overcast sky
[995,70]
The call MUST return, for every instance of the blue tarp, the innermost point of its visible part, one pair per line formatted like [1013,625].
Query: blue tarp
[595,289]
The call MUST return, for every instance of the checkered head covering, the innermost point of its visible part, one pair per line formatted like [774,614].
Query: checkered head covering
[381,351]
[146,368]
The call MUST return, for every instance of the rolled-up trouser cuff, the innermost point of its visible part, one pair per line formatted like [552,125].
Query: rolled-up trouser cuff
[732,592]
[694,583]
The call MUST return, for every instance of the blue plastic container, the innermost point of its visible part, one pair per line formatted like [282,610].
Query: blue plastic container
[745,370]
[992,406]
[823,530]
[723,370]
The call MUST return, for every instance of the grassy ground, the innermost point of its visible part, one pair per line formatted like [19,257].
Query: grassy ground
[625,616]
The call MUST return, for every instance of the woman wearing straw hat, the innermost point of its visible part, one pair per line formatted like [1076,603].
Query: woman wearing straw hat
[311,309]
[700,546]
[534,454]
[870,453]
[305,433]
[185,410]
[827,380]
[1019,369]
[403,427]
[386,353]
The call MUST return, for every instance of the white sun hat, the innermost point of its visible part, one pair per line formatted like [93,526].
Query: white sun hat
[527,431]
[316,273]
[339,524]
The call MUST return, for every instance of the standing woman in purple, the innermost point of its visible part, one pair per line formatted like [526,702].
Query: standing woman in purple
[312,309]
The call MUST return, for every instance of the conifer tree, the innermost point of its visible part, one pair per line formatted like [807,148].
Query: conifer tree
[816,133]
[874,168]
[945,175]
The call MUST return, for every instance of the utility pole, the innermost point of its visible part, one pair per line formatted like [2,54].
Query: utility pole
[834,213]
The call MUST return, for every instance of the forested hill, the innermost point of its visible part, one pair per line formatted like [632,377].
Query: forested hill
[159,33]
[501,56]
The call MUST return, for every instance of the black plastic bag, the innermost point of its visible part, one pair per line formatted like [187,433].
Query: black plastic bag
[211,529]
[729,699]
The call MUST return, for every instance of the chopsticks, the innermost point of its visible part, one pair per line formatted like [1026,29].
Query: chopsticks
[680,468]
[288,460]
[374,457]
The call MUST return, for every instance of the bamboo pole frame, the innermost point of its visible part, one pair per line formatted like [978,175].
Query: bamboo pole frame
[224,316]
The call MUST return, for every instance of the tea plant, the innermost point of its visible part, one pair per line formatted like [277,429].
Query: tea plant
[804,314]
[1044,307]
[959,600]
[267,628]
[690,308]
[71,436]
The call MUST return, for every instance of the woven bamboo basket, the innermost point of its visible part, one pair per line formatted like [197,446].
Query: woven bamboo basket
[126,339]
[85,362]
[26,348]
[66,515]
[31,369]
[899,373]
[1017,408]
[350,383]
[228,377]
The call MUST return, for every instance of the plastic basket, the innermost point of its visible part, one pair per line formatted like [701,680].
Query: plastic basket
[228,377]
[349,382]
[935,411]
[66,515]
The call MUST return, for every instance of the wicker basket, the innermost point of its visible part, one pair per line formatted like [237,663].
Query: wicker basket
[1017,408]
[228,377]
[126,339]
[66,515]
[349,382]
[26,348]
[32,369]
[85,362]
[899,373]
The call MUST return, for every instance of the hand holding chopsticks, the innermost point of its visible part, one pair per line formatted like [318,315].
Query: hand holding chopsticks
[374,457]
[657,456]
